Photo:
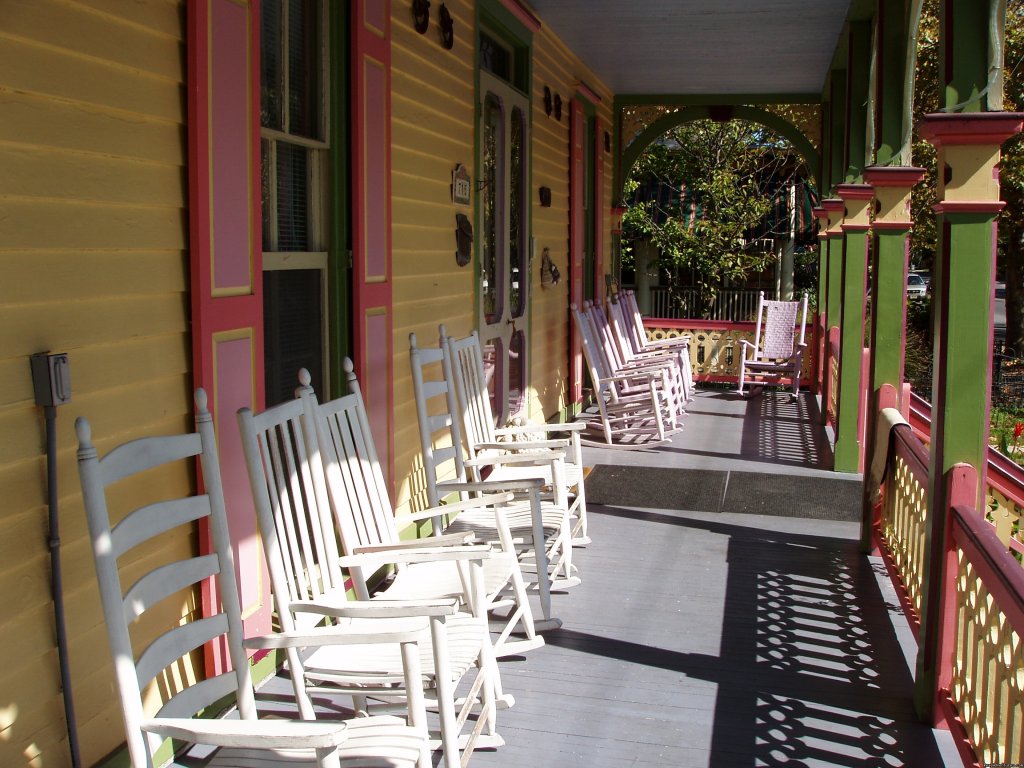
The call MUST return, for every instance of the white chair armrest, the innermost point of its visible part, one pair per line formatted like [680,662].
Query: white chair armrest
[370,609]
[522,445]
[371,561]
[267,734]
[519,484]
[502,497]
[444,540]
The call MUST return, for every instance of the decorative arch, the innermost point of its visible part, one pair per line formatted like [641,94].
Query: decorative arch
[722,113]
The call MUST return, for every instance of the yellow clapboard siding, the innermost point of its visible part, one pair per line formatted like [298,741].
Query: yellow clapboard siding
[159,16]
[93,238]
[32,328]
[51,276]
[136,361]
[39,121]
[38,172]
[43,71]
[76,29]
[37,735]
[51,224]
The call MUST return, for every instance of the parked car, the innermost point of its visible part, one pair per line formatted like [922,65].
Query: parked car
[917,288]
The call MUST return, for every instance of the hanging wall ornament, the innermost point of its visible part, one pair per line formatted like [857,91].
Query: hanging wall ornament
[547,101]
[558,108]
[447,28]
[421,15]
[463,239]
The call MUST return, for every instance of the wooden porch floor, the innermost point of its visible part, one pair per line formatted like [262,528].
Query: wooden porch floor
[722,638]
[726,616]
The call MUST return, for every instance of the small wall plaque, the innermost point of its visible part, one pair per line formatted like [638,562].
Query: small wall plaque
[545,197]
[461,185]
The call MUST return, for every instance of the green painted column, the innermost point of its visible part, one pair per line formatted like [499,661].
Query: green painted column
[821,319]
[832,242]
[858,70]
[891,106]
[835,160]
[963,280]
[834,237]
[888,306]
[857,200]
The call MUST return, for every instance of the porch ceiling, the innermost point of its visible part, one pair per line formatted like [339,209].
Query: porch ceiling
[700,48]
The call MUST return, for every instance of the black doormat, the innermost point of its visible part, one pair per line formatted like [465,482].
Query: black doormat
[695,490]
[818,498]
[710,490]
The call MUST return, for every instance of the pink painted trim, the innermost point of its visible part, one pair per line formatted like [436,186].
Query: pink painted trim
[584,90]
[855,192]
[855,228]
[372,213]
[1000,572]
[891,226]
[893,176]
[887,396]
[969,206]
[240,312]
[576,220]
[712,325]
[949,719]
[522,14]
[991,128]
[833,205]
[599,208]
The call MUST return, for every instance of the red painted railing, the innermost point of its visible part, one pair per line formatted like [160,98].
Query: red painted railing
[1004,491]
[979,687]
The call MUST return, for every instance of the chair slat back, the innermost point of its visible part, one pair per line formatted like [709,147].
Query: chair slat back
[292,507]
[619,332]
[437,413]
[777,327]
[593,353]
[604,336]
[471,391]
[137,539]
[634,320]
[358,493]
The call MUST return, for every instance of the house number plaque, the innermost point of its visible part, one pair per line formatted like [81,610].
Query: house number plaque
[460,185]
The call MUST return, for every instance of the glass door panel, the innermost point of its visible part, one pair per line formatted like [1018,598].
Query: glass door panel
[504,243]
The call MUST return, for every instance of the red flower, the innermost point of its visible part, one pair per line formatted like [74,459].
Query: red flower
[1018,430]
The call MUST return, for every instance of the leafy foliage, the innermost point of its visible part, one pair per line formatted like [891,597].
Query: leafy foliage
[722,177]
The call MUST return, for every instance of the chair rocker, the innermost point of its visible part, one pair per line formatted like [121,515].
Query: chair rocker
[301,513]
[136,540]
[777,351]
[486,441]
[531,520]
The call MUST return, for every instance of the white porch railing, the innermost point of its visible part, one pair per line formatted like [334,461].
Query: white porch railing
[735,306]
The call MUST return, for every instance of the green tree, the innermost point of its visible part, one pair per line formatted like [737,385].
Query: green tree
[721,178]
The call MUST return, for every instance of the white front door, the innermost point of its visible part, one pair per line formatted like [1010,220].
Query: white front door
[504,243]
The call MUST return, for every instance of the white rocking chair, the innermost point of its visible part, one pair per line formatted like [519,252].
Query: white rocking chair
[634,407]
[485,440]
[305,496]
[540,527]
[368,741]
[777,351]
